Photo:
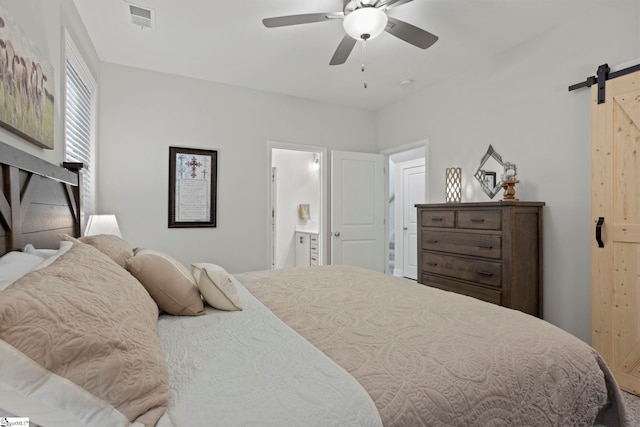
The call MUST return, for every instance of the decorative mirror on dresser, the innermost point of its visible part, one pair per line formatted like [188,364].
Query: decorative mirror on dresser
[489,172]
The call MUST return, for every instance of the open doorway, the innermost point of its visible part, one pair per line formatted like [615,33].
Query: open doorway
[296,205]
[407,187]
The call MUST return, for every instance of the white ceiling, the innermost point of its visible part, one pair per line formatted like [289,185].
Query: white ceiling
[225,42]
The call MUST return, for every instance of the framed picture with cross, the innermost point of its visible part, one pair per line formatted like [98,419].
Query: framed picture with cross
[192,187]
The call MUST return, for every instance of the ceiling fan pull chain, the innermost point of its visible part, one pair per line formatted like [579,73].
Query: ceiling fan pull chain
[364,58]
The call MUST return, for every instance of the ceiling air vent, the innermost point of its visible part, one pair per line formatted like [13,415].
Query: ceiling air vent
[141,16]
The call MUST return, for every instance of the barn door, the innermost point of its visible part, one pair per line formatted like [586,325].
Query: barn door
[615,210]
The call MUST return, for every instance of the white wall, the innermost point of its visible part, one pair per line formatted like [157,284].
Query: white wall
[143,113]
[43,22]
[297,183]
[519,103]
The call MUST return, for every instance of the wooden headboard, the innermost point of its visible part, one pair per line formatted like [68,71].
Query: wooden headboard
[39,200]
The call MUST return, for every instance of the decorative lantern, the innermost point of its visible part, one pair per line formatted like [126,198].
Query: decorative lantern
[453,180]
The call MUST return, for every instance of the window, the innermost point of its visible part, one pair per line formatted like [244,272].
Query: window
[79,123]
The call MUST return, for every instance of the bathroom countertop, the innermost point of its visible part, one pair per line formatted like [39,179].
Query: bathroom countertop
[312,229]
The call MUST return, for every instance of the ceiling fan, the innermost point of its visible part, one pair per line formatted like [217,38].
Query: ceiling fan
[363,20]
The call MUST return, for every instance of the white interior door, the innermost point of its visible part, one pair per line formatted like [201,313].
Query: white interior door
[413,182]
[357,209]
[274,210]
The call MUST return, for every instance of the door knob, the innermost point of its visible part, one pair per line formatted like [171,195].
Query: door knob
[337,234]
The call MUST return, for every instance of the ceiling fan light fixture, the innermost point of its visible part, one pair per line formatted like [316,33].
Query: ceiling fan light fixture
[365,23]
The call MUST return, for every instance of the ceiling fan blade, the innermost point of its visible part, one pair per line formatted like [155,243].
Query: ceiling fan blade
[388,4]
[344,49]
[410,33]
[283,21]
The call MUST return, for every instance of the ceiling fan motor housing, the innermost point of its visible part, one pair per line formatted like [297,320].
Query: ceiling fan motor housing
[355,4]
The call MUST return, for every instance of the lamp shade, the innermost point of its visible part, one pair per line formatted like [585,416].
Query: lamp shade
[102,224]
[365,23]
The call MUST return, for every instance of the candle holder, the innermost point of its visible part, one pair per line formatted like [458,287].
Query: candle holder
[453,185]
[509,188]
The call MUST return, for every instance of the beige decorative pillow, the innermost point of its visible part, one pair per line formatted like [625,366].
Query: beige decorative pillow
[78,338]
[169,283]
[216,286]
[112,246]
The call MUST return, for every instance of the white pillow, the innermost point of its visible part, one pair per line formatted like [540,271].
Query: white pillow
[14,265]
[64,247]
[42,253]
[50,397]
[216,286]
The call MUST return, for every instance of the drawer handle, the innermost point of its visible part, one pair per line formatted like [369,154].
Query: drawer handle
[484,273]
[477,219]
[437,219]
[432,241]
[485,246]
[433,264]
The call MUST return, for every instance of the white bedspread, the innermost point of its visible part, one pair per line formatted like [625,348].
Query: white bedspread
[247,368]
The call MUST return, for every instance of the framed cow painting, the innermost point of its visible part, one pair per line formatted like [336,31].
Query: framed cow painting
[26,85]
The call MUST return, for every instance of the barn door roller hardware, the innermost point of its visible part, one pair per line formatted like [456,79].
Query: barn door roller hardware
[602,75]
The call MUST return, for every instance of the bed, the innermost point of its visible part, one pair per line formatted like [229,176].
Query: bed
[95,332]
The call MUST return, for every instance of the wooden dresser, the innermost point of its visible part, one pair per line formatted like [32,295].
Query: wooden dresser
[491,251]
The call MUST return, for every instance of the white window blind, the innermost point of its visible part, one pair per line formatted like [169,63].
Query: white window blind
[80,112]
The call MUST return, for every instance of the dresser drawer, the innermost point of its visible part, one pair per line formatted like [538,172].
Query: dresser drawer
[480,219]
[485,272]
[484,294]
[438,219]
[474,244]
